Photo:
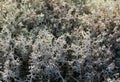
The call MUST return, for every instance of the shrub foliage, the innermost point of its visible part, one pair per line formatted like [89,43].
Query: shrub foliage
[59,40]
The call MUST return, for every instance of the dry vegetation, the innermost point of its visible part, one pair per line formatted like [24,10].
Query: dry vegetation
[59,40]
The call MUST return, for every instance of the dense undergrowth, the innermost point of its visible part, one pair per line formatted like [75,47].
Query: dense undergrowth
[59,40]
